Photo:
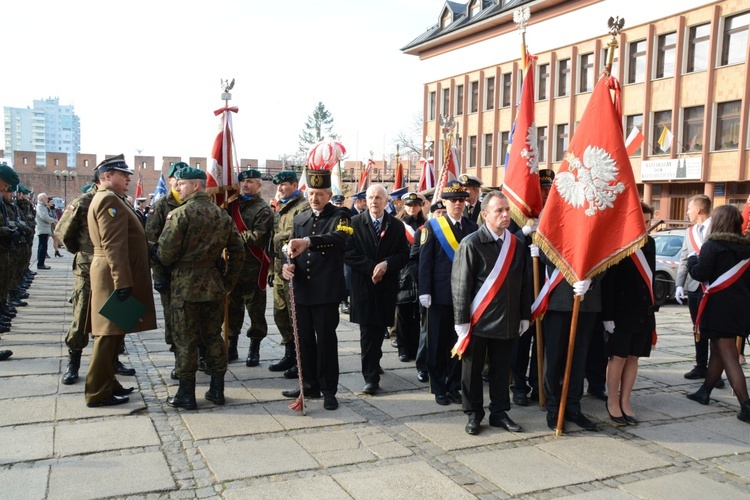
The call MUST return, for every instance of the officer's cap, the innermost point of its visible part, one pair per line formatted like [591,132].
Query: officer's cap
[285,176]
[454,189]
[190,174]
[174,167]
[114,163]
[398,193]
[249,174]
[438,205]
[414,199]
[467,180]
[339,198]
[8,175]
[362,195]
[546,176]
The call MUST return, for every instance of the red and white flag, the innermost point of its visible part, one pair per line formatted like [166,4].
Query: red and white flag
[398,181]
[138,190]
[634,141]
[451,167]
[222,174]
[521,184]
[427,175]
[365,175]
[593,218]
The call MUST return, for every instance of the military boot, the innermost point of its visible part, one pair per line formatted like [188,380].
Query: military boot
[185,396]
[215,391]
[233,355]
[74,363]
[289,360]
[173,375]
[253,354]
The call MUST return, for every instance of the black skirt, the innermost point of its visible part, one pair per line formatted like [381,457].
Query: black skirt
[709,334]
[628,343]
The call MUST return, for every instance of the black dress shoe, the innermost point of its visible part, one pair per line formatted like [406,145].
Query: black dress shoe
[472,427]
[520,399]
[598,394]
[370,388]
[631,420]
[404,358]
[696,373]
[5,355]
[291,372]
[123,391]
[617,420]
[442,399]
[330,402]
[455,397]
[45,267]
[380,370]
[552,421]
[173,375]
[309,393]
[4,329]
[111,401]
[121,369]
[505,422]
[581,421]
[423,376]
[394,343]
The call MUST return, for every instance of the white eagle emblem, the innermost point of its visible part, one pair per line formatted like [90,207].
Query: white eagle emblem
[530,152]
[593,182]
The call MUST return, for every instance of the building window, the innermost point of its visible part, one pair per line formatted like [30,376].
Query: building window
[563,77]
[542,88]
[541,144]
[507,82]
[459,100]
[431,106]
[727,125]
[665,53]
[446,18]
[630,122]
[472,151]
[487,158]
[85,163]
[446,102]
[502,151]
[562,141]
[474,98]
[661,119]
[586,73]
[475,8]
[734,42]
[697,52]
[692,129]
[198,165]
[637,62]
[489,93]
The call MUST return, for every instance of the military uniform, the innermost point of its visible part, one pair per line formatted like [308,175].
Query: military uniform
[29,215]
[18,259]
[9,237]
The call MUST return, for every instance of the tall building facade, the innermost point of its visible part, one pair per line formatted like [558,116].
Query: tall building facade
[683,67]
[47,127]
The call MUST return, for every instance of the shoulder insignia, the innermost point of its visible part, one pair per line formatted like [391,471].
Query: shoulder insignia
[344,227]
[169,216]
[112,212]
[423,239]
[72,207]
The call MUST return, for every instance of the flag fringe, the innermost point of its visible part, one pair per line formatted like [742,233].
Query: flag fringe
[518,216]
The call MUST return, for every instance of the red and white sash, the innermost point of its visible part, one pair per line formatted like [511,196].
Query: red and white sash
[539,307]
[409,233]
[724,281]
[695,238]
[643,268]
[256,251]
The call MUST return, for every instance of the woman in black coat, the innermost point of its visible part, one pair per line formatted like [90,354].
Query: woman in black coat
[725,315]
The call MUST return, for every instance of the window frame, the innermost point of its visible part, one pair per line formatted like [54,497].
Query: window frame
[541,144]
[487,156]
[693,42]
[562,141]
[458,105]
[543,82]
[563,78]
[690,124]
[663,50]
[586,73]
[489,93]
[633,62]
[474,96]
[736,117]
[727,35]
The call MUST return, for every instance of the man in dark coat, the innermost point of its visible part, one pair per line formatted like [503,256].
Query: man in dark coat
[473,186]
[376,252]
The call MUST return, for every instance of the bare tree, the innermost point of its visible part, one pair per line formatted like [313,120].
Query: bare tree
[411,138]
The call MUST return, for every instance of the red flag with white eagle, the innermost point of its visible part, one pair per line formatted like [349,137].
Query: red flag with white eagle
[222,174]
[592,218]
[521,184]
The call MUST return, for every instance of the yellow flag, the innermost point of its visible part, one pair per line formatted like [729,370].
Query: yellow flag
[665,140]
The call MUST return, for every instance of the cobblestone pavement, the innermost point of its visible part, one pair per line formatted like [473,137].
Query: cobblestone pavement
[396,444]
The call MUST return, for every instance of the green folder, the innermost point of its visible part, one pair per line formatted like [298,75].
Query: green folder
[125,314]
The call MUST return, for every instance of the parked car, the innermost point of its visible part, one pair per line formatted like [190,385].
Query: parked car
[668,247]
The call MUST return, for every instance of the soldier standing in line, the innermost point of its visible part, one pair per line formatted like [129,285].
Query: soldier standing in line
[19,258]
[291,201]
[253,218]
[29,215]
[9,237]
[154,226]
[192,242]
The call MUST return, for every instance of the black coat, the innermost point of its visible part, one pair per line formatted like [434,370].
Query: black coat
[726,310]
[407,283]
[375,304]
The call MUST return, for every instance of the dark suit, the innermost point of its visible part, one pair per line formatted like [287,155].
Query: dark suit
[318,289]
[472,211]
[373,306]
[435,280]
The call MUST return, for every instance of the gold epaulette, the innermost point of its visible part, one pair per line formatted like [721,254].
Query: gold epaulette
[344,228]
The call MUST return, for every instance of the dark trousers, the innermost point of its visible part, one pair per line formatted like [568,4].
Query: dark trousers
[100,378]
[523,355]
[596,361]
[556,338]
[316,326]
[701,347]
[41,251]
[445,371]
[407,329]
[497,352]
[421,359]
[371,344]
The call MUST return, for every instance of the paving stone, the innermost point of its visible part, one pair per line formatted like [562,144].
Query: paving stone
[25,443]
[29,483]
[316,415]
[16,366]
[388,383]
[230,421]
[409,404]
[675,405]
[74,407]
[694,439]
[27,411]
[313,487]
[684,485]
[110,434]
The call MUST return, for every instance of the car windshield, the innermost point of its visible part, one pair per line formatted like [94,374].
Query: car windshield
[668,244]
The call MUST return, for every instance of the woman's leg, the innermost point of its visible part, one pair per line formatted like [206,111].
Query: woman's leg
[614,375]
[727,349]
[626,385]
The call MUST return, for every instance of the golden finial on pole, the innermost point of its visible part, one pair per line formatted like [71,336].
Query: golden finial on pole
[521,18]
[615,25]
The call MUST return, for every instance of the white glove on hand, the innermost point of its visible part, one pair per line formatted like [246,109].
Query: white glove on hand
[609,326]
[679,294]
[527,230]
[581,287]
[523,326]
[425,300]
[534,250]
[462,331]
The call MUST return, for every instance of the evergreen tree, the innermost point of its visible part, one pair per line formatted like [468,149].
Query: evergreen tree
[319,126]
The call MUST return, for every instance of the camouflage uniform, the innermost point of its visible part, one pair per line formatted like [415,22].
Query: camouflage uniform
[9,237]
[27,213]
[16,261]
[247,293]
[194,236]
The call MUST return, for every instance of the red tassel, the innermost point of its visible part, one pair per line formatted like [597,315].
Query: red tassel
[297,405]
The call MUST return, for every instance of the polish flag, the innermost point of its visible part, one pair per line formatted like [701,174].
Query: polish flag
[222,174]
[634,141]
[427,176]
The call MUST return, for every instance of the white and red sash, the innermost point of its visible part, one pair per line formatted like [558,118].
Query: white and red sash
[539,307]
[639,259]
[695,238]
[409,233]
[256,251]
[724,281]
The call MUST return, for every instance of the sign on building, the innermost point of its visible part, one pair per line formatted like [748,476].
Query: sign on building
[673,169]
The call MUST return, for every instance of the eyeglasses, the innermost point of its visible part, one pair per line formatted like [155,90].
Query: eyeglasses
[455,200]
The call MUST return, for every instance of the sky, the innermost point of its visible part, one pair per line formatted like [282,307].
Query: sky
[146,75]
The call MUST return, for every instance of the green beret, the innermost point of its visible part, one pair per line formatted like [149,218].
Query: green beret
[285,176]
[23,189]
[249,174]
[189,173]
[87,187]
[8,175]
[174,167]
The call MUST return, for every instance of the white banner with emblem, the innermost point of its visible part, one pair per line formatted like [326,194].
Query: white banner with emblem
[672,169]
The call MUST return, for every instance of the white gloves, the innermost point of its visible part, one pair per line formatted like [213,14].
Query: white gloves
[425,300]
[523,326]
[462,331]
[527,230]
[609,326]
[533,249]
[679,294]
[581,287]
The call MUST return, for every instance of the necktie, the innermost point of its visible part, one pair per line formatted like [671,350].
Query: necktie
[458,226]
[376,226]
[469,210]
[500,242]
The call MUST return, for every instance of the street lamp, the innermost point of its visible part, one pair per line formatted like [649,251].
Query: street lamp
[65,175]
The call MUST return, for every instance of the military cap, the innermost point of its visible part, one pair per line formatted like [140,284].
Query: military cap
[174,167]
[454,189]
[339,198]
[114,163]
[546,176]
[87,187]
[362,195]
[8,175]
[398,193]
[189,174]
[470,180]
[285,176]
[414,199]
[438,205]
[249,174]
[319,179]
[22,189]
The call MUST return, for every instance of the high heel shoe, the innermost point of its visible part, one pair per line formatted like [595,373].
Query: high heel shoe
[617,420]
[57,254]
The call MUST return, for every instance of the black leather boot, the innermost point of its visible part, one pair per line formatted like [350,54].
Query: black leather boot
[289,360]
[173,375]
[74,363]
[215,391]
[185,396]
[253,354]
[233,355]
[702,395]
[744,413]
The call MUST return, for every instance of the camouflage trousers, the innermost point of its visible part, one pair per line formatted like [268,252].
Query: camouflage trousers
[19,264]
[77,339]
[166,299]
[281,309]
[246,294]
[196,324]
[5,273]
